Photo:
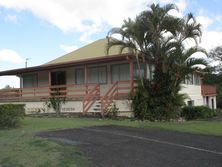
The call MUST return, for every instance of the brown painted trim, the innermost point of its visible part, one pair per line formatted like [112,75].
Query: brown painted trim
[131,75]
[49,73]
[85,74]
[103,59]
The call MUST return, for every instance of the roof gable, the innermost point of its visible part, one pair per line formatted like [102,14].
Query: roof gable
[93,50]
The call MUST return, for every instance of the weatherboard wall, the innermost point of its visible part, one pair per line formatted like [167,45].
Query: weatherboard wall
[193,93]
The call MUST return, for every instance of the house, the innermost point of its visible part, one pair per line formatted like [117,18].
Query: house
[91,81]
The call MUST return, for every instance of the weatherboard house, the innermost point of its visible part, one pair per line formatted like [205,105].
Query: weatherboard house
[91,81]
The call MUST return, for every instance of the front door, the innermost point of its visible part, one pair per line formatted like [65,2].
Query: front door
[58,78]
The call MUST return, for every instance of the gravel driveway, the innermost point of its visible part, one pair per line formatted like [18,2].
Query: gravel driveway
[117,146]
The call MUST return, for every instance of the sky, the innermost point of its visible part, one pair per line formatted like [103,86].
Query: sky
[42,30]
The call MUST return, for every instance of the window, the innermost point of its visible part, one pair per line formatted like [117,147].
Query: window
[120,72]
[97,74]
[30,80]
[138,73]
[190,103]
[190,79]
[79,76]
[196,79]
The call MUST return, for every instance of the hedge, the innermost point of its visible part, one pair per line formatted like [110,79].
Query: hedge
[11,114]
[196,112]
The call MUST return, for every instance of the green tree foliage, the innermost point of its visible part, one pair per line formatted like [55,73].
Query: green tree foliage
[196,112]
[159,39]
[140,103]
[11,114]
[7,87]
[215,79]
[148,104]
[55,101]
[216,53]
[214,74]
[112,112]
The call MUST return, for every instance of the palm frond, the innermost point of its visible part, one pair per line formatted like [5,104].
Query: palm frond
[169,7]
[192,62]
[189,52]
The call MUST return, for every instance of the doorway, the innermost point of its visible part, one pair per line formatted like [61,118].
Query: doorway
[212,104]
[58,78]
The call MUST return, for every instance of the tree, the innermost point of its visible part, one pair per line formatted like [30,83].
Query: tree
[215,79]
[7,87]
[214,73]
[159,39]
[216,53]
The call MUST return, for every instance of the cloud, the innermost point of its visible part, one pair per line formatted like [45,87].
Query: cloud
[204,21]
[11,18]
[211,39]
[181,4]
[68,48]
[79,15]
[7,55]
[85,16]
[91,16]
[85,37]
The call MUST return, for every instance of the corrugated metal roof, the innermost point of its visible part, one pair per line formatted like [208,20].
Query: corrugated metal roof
[94,50]
[89,54]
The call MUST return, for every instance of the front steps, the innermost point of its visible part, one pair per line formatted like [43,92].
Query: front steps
[96,107]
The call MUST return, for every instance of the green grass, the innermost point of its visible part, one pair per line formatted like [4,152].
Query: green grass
[195,127]
[19,147]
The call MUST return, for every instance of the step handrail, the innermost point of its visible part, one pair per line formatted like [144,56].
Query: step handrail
[90,98]
[108,98]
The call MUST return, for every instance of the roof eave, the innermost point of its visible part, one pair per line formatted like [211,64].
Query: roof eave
[103,59]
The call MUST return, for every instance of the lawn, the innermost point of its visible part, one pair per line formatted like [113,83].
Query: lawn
[19,147]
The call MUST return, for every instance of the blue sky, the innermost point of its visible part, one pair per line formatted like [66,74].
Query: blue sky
[46,29]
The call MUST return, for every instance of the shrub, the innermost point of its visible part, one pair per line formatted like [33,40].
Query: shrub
[55,101]
[11,114]
[112,112]
[151,104]
[195,112]
[140,103]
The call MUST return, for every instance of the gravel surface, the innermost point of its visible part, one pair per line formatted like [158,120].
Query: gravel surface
[117,146]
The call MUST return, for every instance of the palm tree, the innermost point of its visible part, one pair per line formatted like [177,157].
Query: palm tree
[160,38]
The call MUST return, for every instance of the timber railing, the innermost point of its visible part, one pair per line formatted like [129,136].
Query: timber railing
[90,98]
[71,91]
[117,90]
